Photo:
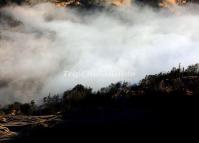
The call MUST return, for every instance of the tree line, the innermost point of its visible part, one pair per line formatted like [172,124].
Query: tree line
[179,82]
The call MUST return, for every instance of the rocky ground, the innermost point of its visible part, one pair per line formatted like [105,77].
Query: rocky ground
[12,125]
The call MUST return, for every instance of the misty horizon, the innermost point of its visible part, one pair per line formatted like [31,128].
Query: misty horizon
[42,46]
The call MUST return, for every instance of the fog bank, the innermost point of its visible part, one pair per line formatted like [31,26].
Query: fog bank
[48,49]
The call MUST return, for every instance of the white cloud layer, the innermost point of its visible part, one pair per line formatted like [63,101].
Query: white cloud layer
[48,49]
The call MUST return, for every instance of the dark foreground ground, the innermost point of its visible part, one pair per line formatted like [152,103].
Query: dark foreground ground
[161,104]
[143,116]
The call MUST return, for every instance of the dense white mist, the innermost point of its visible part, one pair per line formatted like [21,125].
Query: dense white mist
[48,49]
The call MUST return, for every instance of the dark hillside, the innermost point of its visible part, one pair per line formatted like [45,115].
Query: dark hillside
[163,101]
